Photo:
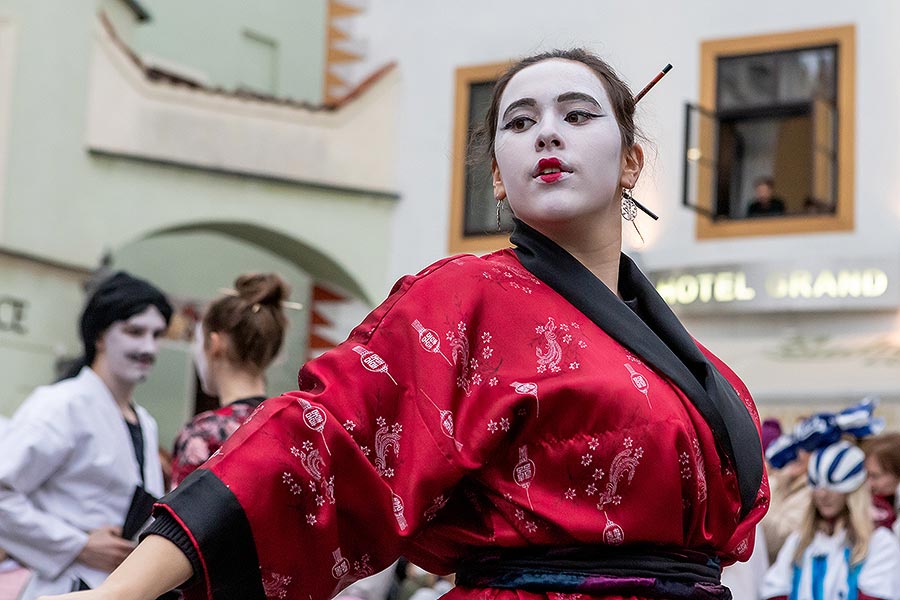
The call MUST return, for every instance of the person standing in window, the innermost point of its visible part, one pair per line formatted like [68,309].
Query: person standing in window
[765,203]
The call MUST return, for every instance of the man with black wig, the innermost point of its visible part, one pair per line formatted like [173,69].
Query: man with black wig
[80,456]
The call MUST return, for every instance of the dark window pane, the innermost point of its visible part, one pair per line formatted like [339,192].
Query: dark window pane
[777,120]
[480,207]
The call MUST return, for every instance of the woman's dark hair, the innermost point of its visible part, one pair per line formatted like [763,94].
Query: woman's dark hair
[482,142]
[253,319]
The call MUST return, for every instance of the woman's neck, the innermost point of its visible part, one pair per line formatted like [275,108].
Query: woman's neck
[599,251]
[237,385]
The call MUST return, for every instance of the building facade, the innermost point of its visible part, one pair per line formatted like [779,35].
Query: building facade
[132,138]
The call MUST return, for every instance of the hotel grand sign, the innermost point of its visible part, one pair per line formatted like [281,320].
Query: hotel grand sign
[836,285]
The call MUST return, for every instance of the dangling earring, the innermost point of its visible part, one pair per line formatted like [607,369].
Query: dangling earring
[499,206]
[629,210]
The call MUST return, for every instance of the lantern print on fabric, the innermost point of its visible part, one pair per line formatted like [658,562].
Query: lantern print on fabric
[446,421]
[528,389]
[623,466]
[373,362]
[397,505]
[474,361]
[429,340]
[341,565]
[314,418]
[523,473]
[558,346]
[640,383]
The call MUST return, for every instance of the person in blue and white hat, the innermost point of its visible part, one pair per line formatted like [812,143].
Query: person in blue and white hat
[837,554]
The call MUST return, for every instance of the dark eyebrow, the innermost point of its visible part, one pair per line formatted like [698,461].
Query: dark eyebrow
[518,103]
[570,96]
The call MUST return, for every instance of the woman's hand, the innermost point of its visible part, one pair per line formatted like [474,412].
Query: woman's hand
[105,549]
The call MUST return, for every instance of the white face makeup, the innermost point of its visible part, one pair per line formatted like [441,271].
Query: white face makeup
[558,145]
[198,352]
[129,347]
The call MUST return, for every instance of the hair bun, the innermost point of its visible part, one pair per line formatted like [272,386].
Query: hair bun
[266,289]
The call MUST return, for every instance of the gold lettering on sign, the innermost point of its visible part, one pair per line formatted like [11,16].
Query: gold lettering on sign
[865,283]
[723,287]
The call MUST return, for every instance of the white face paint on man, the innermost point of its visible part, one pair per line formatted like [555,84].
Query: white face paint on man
[558,146]
[129,347]
[198,352]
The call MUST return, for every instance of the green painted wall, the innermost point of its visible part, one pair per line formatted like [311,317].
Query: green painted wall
[46,329]
[226,40]
[64,203]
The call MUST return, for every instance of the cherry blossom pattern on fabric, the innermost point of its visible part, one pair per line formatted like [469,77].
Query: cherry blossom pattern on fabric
[473,363]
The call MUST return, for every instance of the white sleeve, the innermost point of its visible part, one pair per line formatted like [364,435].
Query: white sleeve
[880,574]
[745,578]
[33,448]
[779,577]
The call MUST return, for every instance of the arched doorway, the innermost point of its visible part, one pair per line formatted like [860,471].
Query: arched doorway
[193,262]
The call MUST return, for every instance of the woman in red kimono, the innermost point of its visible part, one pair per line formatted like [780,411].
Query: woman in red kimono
[536,420]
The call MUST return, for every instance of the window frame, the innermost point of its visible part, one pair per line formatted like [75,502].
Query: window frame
[844,38]
[458,241]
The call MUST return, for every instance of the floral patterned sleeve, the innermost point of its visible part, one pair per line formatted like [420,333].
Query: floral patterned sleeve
[193,447]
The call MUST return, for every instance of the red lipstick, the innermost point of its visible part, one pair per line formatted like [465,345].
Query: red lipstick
[549,170]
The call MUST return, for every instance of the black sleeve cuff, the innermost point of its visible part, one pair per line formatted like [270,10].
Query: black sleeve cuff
[219,534]
[166,526]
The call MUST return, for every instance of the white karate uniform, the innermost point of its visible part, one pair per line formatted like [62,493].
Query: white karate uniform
[879,576]
[67,466]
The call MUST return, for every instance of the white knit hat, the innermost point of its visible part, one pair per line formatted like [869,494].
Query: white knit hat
[839,467]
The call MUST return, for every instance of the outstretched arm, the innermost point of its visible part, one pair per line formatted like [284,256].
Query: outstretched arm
[155,567]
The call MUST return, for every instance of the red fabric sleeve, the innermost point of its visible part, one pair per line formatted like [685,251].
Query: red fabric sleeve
[336,478]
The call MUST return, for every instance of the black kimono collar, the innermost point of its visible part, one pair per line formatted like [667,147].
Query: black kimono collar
[659,338]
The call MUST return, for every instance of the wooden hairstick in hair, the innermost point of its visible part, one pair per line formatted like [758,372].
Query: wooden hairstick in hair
[284,303]
[655,80]
[640,95]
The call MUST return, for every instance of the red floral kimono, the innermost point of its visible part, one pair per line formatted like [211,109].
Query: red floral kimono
[478,410]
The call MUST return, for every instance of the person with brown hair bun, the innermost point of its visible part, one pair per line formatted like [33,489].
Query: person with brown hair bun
[536,420]
[238,338]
